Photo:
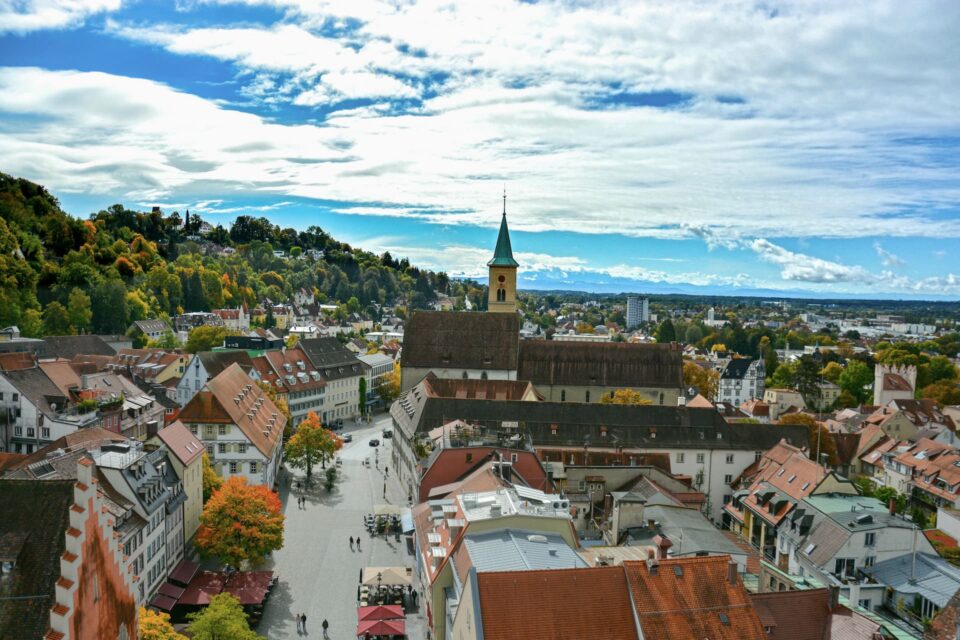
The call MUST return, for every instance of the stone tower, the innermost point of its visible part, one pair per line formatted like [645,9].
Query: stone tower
[502,296]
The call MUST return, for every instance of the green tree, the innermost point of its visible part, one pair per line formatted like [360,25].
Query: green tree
[855,379]
[205,338]
[223,619]
[665,332]
[363,395]
[56,321]
[166,341]
[389,387]
[31,324]
[109,303]
[310,444]
[211,481]
[945,392]
[694,334]
[832,372]
[939,368]
[78,310]
[706,380]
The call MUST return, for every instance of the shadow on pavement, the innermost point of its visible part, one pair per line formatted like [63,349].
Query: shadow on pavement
[283,626]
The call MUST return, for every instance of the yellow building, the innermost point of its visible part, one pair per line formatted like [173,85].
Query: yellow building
[502,295]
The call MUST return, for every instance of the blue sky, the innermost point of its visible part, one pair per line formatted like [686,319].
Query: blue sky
[811,149]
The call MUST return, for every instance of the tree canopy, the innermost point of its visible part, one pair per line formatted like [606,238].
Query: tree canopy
[155,625]
[240,523]
[624,396]
[311,444]
[706,380]
[224,618]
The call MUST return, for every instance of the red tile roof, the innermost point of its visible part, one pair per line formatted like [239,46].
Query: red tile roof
[794,615]
[692,598]
[556,604]
[181,443]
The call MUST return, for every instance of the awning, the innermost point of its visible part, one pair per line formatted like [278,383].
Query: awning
[386,510]
[388,576]
[380,612]
[206,585]
[382,628]
[171,590]
[184,572]
[163,602]
[406,520]
[249,587]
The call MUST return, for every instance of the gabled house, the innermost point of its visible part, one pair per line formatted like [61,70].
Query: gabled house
[143,331]
[239,425]
[741,380]
[209,364]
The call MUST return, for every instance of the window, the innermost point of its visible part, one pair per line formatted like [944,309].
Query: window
[15,397]
[729,458]
[483,376]
[865,604]
[727,479]
[679,457]
[869,560]
[843,567]
[469,458]
[727,497]
[210,450]
[563,395]
[757,455]
[870,539]
[465,375]
[700,458]
[583,485]
[233,467]
[209,431]
[586,396]
[193,429]
[222,430]
[221,448]
[513,457]
[253,467]
[242,447]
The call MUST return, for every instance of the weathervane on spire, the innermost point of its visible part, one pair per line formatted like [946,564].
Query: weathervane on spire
[504,199]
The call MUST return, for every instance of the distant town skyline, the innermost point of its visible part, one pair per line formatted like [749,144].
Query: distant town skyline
[744,148]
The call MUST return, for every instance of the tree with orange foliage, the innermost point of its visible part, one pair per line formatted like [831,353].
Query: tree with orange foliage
[312,443]
[821,440]
[240,523]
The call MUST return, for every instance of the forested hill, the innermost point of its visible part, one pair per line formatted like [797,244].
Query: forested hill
[60,274]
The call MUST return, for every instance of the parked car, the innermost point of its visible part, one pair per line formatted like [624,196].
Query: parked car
[387,433]
[374,443]
[347,437]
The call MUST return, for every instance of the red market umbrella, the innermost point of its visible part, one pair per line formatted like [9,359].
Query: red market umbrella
[380,612]
[382,628]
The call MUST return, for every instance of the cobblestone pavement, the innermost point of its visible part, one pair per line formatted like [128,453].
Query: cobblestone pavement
[318,574]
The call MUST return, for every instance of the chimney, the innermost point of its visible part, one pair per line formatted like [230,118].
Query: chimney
[834,597]
[663,546]
[732,572]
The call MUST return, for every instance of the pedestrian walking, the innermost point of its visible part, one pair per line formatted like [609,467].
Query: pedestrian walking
[299,625]
[358,543]
[325,626]
[303,618]
[351,543]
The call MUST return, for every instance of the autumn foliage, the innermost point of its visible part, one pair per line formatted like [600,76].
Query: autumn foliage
[240,523]
[312,443]
[625,396]
[155,625]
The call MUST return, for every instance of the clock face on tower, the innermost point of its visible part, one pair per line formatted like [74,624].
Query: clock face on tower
[501,279]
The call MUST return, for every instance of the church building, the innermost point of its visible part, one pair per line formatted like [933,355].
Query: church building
[487,346]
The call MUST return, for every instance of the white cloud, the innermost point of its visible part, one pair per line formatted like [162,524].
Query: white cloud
[805,268]
[888,259]
[21,16]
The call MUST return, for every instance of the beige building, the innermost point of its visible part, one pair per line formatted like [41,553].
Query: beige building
[186,456]
[780,400]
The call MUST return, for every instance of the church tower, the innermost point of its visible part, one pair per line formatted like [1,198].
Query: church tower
[502,296]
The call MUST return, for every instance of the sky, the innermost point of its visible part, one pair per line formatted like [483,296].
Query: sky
[726,147]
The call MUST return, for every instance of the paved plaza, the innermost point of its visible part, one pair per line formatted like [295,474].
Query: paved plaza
[318,574]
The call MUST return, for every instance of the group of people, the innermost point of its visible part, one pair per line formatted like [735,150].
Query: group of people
[352,542]
[302,625]
[301,502]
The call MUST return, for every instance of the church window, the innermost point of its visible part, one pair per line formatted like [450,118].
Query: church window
[483,376]
[465,376]
[563,395]
[501,295]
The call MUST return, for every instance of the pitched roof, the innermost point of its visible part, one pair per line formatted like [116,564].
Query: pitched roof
[70,346]
[70,447]
[609,364]
[36,386]
[478,389]
[35,537]
[152,326]
[333,360]
[17,360]
[895,382]
[794,615]
[503,253]
[461,339]
[692,598]
[555,604]
[181,443]
[647,426]
[233,398]
[736,369]
[216,361]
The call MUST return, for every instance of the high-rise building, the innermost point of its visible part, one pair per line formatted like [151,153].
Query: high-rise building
[638,311]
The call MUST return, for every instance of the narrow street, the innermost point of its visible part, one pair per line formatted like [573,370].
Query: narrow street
[318,574]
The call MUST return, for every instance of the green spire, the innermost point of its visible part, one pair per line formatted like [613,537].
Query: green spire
[503,254]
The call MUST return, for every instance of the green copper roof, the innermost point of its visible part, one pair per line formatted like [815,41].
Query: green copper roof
[503,255]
